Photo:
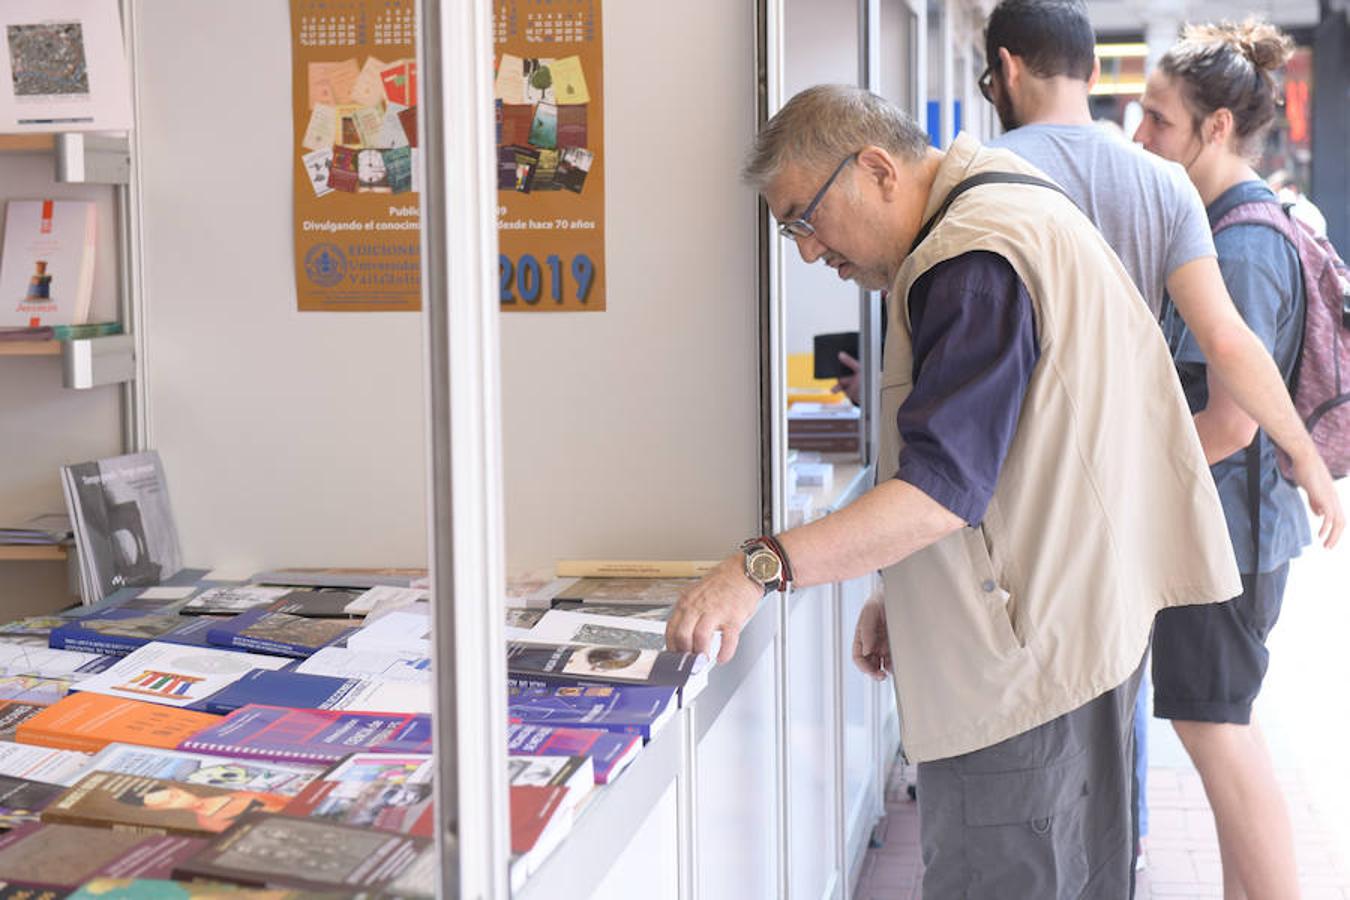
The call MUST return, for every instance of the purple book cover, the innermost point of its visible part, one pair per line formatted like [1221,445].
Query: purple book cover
[610,753]
[625,709]
[311,735]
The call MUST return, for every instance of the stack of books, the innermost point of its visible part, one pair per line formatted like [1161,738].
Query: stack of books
[827,427]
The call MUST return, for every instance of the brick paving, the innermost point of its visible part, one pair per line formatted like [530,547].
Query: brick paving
[1303,711]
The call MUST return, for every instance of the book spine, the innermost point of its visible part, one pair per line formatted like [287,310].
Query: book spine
[102,645]
[268,753]
[264,645]
[634,568]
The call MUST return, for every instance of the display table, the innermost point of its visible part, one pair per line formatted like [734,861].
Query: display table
[772,777]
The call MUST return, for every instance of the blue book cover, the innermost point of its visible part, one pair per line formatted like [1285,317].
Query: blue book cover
[282,688]
[610,753]
[623,709]
[118,632]
[277,633]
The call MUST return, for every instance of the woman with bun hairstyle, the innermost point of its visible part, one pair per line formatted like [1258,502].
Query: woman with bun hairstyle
[1207,106]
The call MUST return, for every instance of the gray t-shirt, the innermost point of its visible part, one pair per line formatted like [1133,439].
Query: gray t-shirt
[1145,207]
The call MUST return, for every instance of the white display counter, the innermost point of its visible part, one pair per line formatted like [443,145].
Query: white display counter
[767,785]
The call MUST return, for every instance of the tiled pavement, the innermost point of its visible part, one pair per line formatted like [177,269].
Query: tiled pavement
[1305,712]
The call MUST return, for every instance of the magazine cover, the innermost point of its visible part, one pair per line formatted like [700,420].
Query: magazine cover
[124,525]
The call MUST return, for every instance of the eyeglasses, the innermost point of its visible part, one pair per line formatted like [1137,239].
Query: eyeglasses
[986,84]
[801,226]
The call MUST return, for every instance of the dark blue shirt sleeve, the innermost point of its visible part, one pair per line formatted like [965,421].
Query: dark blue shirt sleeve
[975,346]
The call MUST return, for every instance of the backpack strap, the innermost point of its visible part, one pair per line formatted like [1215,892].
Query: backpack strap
[975,181]
[1276,216]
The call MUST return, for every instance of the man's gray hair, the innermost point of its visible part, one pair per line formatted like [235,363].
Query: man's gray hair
[822,125]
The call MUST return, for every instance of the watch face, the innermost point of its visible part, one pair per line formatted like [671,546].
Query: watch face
[763,566]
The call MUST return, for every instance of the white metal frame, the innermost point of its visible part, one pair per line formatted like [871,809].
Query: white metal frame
[459,294]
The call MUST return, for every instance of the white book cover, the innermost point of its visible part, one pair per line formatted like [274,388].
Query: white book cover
[285,779]
[17,659]
[383,599]
[387,697]
[408,632]
[63,67]
[175,674]
[47,263]
[386,665]
[565,626]
[42,763]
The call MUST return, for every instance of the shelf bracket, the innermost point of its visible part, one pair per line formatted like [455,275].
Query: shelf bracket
[87,158]
[92,362]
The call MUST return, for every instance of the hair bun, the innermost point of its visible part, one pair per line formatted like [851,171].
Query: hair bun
[1266,46]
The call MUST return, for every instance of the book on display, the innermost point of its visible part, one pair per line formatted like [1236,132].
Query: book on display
[300,691]
[609,753]
[22,800]
[582,626]
[282,779]
[540,819]
[42,763]
[176,675]
[378,665]
[574,774]
[47,264]
[89,722]
[231,600]
[284,851]
[117,632]
[310,735]
[546,665]
[614,591]
[62,857]
[123,521]
[278,633]
[43,662]
[624,709]
[339,577]
[321,603]
[391,791]
[154,805]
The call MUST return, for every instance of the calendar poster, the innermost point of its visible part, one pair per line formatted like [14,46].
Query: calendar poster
[549,98]
[354,155]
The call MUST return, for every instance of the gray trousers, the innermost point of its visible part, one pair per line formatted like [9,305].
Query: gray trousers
[1044,815]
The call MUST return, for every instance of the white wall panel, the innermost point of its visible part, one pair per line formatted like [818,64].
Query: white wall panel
[736,795]
[288,438]
[633,432]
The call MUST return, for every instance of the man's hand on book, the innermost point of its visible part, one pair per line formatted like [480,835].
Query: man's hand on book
[722,601]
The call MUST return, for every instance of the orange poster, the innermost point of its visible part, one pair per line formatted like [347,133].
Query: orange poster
[354,154]
[549,98]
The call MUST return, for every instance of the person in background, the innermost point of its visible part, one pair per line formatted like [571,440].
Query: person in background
[1024,388]
[1286,187]
[1207,105]
[1041,68]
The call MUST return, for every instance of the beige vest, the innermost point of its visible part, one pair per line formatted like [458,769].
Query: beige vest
[1104,512]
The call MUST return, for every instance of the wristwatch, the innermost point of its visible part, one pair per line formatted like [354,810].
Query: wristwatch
[765,564]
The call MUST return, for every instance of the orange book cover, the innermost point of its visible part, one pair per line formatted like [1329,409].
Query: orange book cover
[89,722]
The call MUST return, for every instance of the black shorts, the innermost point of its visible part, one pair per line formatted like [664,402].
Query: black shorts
[1209,659]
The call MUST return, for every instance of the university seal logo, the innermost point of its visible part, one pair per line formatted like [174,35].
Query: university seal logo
[325,265]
